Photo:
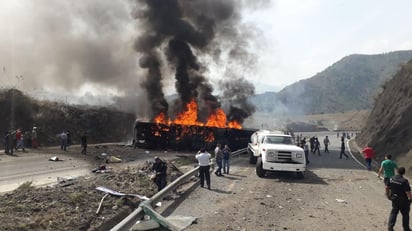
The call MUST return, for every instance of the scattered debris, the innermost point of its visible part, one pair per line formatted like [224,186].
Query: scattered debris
[115,193]
[54,158]
[102,169]
[66,181]
[108,191]
[113,159]
[146,225]
[341,201]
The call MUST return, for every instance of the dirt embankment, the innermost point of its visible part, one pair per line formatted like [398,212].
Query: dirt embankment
[74,206]
[101,124]
[389,127]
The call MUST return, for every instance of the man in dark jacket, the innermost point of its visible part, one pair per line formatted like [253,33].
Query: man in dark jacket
[160,169]
[8,143]
[84,143]
[399,192]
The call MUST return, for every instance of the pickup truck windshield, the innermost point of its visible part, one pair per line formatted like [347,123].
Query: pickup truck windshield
[277,140]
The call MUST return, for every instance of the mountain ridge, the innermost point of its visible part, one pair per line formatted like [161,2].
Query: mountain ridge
[348,84]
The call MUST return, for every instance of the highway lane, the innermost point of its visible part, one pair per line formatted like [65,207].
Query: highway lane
[35,167]
[336,194]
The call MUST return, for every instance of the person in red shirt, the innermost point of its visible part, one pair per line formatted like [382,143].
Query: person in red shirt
[369,154]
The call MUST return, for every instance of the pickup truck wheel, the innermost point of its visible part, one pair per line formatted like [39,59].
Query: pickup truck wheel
[259,168]
[252,158]
[300,174]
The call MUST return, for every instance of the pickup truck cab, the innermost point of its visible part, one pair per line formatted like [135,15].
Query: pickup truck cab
[275,151]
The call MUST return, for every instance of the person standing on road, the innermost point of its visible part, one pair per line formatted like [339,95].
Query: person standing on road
[303,142]
[312,143]
[316,146]
[226,159]
[19,140]
[69,139]
[388,167]
[63,141]
[306,149]
[219,159]
[368,154]
[34,141]
[326,142]
[8,143]
[342,149]
[399,192]
[203,158]
[84,143]
[160,169]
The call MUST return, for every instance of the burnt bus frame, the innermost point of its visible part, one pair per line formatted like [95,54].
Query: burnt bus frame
[156,136]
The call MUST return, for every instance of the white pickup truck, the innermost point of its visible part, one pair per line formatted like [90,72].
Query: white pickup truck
[274,151]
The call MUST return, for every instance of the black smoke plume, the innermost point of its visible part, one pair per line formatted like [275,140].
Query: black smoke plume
[182,31]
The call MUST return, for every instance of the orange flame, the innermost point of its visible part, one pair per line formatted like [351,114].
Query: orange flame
[189,117]
[161,119]
[234,124]
[217,119]
[209,137]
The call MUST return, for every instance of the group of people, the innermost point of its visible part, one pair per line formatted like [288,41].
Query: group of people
[66,141]
[313,146]
[222,157]
[397,188]
[18,139]
[398,191]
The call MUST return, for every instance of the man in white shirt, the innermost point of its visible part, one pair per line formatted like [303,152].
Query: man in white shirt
[204,158]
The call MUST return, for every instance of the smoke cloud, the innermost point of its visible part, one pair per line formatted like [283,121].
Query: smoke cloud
[184,31]
[64,44]
[123,51]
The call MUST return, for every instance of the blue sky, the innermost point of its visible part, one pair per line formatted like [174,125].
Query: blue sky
[295,39]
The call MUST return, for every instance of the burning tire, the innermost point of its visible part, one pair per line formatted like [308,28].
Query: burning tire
[259,168]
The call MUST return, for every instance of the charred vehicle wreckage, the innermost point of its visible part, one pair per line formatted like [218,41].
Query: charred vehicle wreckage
[187,137]
[186,132]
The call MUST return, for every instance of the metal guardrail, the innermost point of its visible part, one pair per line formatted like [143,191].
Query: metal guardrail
[138,213]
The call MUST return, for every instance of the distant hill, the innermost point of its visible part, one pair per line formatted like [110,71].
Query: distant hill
[389,127]
[349,84]
[101,124]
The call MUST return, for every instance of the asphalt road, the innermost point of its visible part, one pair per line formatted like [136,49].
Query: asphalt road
[35,167]
[336,194]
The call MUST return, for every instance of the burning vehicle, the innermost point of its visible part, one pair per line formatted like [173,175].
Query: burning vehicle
[186,133]
[188,137]
[180,39]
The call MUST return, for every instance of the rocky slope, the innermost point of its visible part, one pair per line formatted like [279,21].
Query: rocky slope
[389,127]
